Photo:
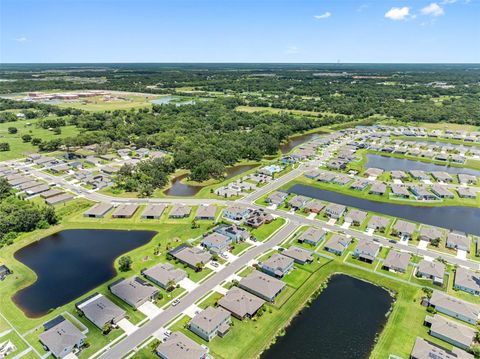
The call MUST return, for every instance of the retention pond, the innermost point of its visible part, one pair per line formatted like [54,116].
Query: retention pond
[464,219]
[341,323]
[70,263]
[389,163]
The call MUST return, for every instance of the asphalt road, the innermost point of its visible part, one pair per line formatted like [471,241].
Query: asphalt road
[123,347]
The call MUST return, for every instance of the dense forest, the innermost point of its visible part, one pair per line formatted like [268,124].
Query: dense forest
[17,215]
[207,136]
[428,93]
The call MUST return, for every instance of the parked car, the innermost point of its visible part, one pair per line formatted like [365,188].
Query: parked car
[175,302]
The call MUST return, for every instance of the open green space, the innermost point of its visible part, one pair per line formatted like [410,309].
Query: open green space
[19,148]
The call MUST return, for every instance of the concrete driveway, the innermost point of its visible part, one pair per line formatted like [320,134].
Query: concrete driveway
[149,309]
[188,284]
[127,326]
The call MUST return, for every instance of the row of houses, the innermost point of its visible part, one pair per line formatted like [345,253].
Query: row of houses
[32,187]
[151,211]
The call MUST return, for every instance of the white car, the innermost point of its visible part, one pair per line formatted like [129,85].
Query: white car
[175,302]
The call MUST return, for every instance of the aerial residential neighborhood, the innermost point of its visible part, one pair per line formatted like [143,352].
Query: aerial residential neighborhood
[239,180]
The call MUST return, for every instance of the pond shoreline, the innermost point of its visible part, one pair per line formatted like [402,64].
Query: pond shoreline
[316,295]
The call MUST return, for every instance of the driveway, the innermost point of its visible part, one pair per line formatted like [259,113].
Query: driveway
[188,284]
[461,254]
[149,309]
[422,244]
[127,326]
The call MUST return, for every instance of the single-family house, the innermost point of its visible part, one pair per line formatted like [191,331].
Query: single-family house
[180,211]
[276,198]
[312,236]
[236,213]
[257,218]
[431,270]
[441,191]
[334,210]
[397,261]
[179,346]
[419,175]
[206,213]
[424,349]
[359,185]
[298,202]
[378,223]
[153,211]
[355,216]
[430,234]
[314,206]
[299,255]
[125,210]
[366,250]
[422,194]
[399,190]
[452,332]
[277,265]
[373,172]
[164,275]
[455,307]
[467,281]
[211,322]
[466,192]
[262,285]
[98,211]
[338,244]
[216,242]
[234,232]
[458,240]
[134,291]
[192,256]
[241,303]
[378,188]
[100,310]
[61,337]
[404,229]
[398,175]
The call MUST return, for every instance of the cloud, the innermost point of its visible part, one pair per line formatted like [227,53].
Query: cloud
[21,39]
[398,13]
[433,10]
[448,2]
[362,7]
[325,15]
[291,50]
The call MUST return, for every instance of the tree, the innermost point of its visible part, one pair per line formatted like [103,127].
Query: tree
[125,263]
[170,285]
[36,141]
[26,138]
[12,130]
[199,266]
[107,327]
[5,188]
[4,146]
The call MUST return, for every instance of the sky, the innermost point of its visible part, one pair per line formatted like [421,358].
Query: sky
[320,31]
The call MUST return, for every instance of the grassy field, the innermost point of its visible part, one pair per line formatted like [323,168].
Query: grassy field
[122,102]
[18,148]
[445,126]
[281,110]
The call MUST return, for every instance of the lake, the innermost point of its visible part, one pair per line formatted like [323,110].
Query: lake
[294,141]
[165,100]
[70,263]
[178,188]
[341,323]
[388,163]
[464,219]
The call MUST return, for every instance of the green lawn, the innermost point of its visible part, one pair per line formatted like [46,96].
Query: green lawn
[18,148]
[266,230]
